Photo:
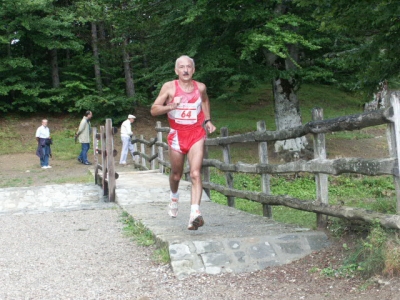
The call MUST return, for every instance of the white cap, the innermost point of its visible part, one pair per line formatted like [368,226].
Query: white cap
[131,117]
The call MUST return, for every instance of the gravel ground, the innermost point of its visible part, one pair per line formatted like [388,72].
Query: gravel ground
[84,255]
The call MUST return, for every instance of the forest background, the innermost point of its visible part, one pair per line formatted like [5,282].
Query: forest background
[111,56]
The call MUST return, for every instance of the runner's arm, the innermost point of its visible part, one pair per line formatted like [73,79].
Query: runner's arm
[162,105]
[205,106]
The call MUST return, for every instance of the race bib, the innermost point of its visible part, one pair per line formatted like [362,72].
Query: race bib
[186,113]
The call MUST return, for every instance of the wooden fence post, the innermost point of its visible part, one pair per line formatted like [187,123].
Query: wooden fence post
[143,150]
[134,150]
[321,180]
[227,159]
[393,134]
[110,160]
[104,183]
[265,178]
[206,173]
[160,148]
[96,156]
[153,162]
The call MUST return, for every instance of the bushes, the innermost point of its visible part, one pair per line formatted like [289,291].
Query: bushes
[377,253]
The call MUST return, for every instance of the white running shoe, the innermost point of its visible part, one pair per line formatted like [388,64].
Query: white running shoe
[173,207]
[196,220]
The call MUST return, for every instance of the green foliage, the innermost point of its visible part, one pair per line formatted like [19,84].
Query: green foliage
[137,231]
[161,255]
[369,255]
[144,237]
[237,46]
[364,39]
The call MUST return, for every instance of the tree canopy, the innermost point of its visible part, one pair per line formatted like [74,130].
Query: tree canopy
[110,55]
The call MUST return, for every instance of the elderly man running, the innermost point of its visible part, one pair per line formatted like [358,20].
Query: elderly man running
[187,105]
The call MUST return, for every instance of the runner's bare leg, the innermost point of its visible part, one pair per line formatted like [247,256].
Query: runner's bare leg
[195,157]
[177,161]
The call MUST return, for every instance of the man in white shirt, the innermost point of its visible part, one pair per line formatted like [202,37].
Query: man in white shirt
[126,135]
[44,142]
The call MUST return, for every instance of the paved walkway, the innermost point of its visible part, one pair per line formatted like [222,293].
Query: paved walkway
[57,197]
[230,240]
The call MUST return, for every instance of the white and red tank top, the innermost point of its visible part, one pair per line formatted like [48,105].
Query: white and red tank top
[188,114]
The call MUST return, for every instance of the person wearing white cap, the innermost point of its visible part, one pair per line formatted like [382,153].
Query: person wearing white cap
[126,135]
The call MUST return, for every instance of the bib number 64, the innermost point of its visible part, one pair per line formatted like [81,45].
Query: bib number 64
[186,114]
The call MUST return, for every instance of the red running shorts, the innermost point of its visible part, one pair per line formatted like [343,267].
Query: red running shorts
[183,140]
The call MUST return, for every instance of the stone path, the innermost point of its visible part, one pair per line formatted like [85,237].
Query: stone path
[230,240]
[58,197]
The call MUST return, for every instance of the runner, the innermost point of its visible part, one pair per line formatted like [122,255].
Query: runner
[188,107]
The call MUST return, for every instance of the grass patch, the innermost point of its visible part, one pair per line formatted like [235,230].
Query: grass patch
[16,182]
[373,193]
[377,253]
[143,237]
[349,135]
[88,178]
[62,134]
[161,255]
[137,231]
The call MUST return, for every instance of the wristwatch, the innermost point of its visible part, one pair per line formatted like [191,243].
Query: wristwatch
[205,122]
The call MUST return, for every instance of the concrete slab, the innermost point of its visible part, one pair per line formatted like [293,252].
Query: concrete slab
[230,241]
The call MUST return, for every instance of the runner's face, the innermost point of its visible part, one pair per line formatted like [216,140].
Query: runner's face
[184,69]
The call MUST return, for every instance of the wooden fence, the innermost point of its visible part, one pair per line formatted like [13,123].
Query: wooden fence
[320,166]
[104,173]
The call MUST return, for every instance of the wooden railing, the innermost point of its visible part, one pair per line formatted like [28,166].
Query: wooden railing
[320,166]
[104,172]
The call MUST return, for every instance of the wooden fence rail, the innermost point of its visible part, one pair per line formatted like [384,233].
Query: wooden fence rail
[320,166]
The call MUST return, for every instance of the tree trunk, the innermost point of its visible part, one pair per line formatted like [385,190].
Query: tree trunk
[104,45]
[54,68]
[129,84]
[95,48]
[287,113]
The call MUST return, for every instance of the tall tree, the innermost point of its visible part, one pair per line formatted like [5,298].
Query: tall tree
[366,34]
[96,65]
[30,31]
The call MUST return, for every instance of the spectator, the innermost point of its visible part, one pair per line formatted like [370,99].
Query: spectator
[44,141]
[126,139]
[83,135]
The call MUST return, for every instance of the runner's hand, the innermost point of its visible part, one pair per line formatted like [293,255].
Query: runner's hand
[210,127]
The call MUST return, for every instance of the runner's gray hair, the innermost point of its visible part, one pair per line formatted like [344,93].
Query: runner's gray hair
[183,56]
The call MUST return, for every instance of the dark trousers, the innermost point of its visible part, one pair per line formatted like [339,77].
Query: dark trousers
[85,149]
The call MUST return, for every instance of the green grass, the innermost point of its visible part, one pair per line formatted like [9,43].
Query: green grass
[144,237]
[372,193]
[63,137]
[137,231]
[349,135]
[15,182]
[88,178]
